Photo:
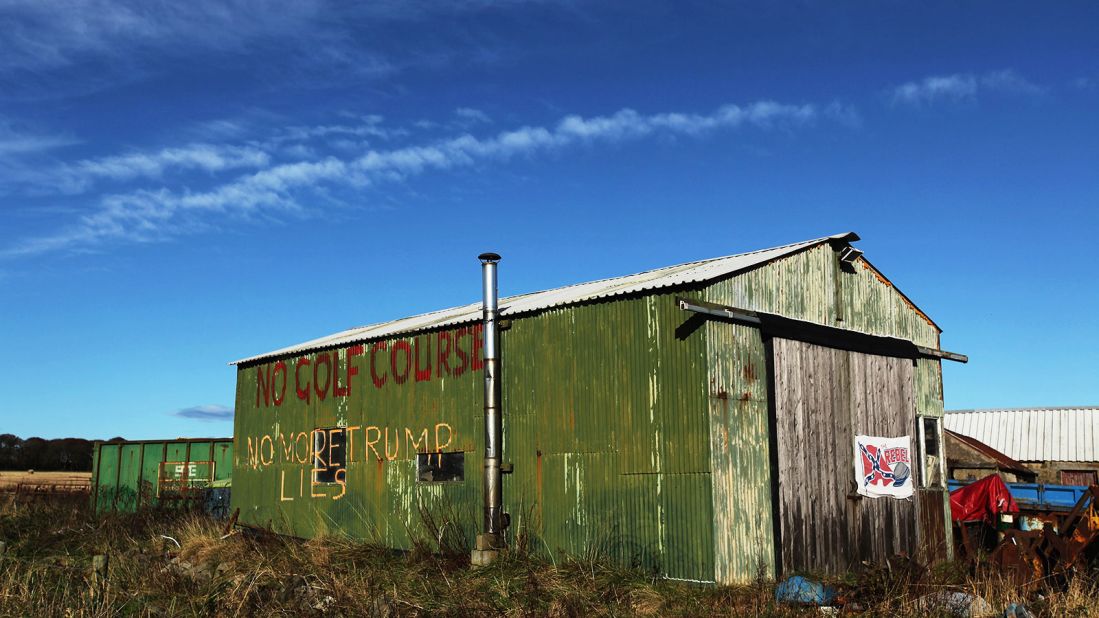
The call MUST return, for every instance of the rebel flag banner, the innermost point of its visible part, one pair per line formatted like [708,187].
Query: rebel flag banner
[883,466]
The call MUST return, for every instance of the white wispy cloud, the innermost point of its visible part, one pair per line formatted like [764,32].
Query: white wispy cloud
[148,214]
[843,113]
[21,147]
[369,126]
[28,170]
[16,141]
[208,412]
[206,157]
[58,48]
[472,116]
[957,87]
[47,34]
[24,144]
[1009,81]
[962,87]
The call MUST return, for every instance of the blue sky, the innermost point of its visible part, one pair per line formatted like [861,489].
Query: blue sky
[184,184]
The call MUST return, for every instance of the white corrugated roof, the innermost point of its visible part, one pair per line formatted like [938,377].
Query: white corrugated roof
[691,272]
[1033,434]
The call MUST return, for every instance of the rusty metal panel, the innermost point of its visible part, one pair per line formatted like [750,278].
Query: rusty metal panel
[687,526]
[801,285]
[873,305]
[740,453]
[127,473]
[634,429]
[810,285]
[603,404]
[222,457]
[105,488]
[93,495]
[150,470]
[929,387]
[385,401]
[175,451]
[200,451]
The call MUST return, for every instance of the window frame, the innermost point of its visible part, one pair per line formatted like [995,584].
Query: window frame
[331,469]
[921,449]
[440,454]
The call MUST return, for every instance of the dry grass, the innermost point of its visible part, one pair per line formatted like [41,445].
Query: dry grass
[46,572]
[45,482]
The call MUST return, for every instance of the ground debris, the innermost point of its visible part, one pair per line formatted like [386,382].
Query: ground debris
[954,603]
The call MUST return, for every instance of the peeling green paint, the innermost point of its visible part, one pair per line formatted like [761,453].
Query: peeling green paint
[633,431]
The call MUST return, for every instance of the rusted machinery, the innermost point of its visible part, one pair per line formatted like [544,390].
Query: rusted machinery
[1065,543]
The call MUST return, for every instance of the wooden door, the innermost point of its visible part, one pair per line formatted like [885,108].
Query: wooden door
[822,398]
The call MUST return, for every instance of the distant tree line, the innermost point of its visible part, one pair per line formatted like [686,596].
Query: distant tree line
[67,454]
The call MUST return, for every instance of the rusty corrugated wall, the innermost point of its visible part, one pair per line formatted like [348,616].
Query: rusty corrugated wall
[605,424]
[810,285]
[635,429]
[740,453]
[388,400]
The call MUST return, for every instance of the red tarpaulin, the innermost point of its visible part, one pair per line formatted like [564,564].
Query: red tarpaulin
[982,500]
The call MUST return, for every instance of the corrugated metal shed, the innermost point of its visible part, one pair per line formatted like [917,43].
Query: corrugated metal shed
[635,429]
[1033,434]
[671,276]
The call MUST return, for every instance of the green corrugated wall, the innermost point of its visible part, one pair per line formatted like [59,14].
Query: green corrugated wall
[380,499]
[633,432]
[606,427]
[606,423]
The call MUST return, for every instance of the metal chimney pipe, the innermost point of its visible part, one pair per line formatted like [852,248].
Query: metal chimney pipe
[493,514]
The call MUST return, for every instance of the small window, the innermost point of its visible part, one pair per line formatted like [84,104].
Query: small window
[329,455]
[930,436]
[932,457]
[441,467]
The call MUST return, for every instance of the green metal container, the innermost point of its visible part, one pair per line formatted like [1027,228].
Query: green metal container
[127,476]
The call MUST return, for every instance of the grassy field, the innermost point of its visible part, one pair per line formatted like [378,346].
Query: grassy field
[180,563]
[51,482]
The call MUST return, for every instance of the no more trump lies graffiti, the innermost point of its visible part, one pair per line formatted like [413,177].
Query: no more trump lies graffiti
[325,449]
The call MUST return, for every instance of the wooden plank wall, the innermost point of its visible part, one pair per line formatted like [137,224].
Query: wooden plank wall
[822,399]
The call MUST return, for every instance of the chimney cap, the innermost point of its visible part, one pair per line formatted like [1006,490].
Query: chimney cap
[489,257]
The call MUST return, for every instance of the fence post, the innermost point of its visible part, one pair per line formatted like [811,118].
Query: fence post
[99,576]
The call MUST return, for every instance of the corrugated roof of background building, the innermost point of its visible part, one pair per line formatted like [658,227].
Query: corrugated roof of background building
[1033,434]
[670,276]
[1000,458]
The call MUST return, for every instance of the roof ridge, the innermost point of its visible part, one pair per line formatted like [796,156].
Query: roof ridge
[514,297]
[633,282]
